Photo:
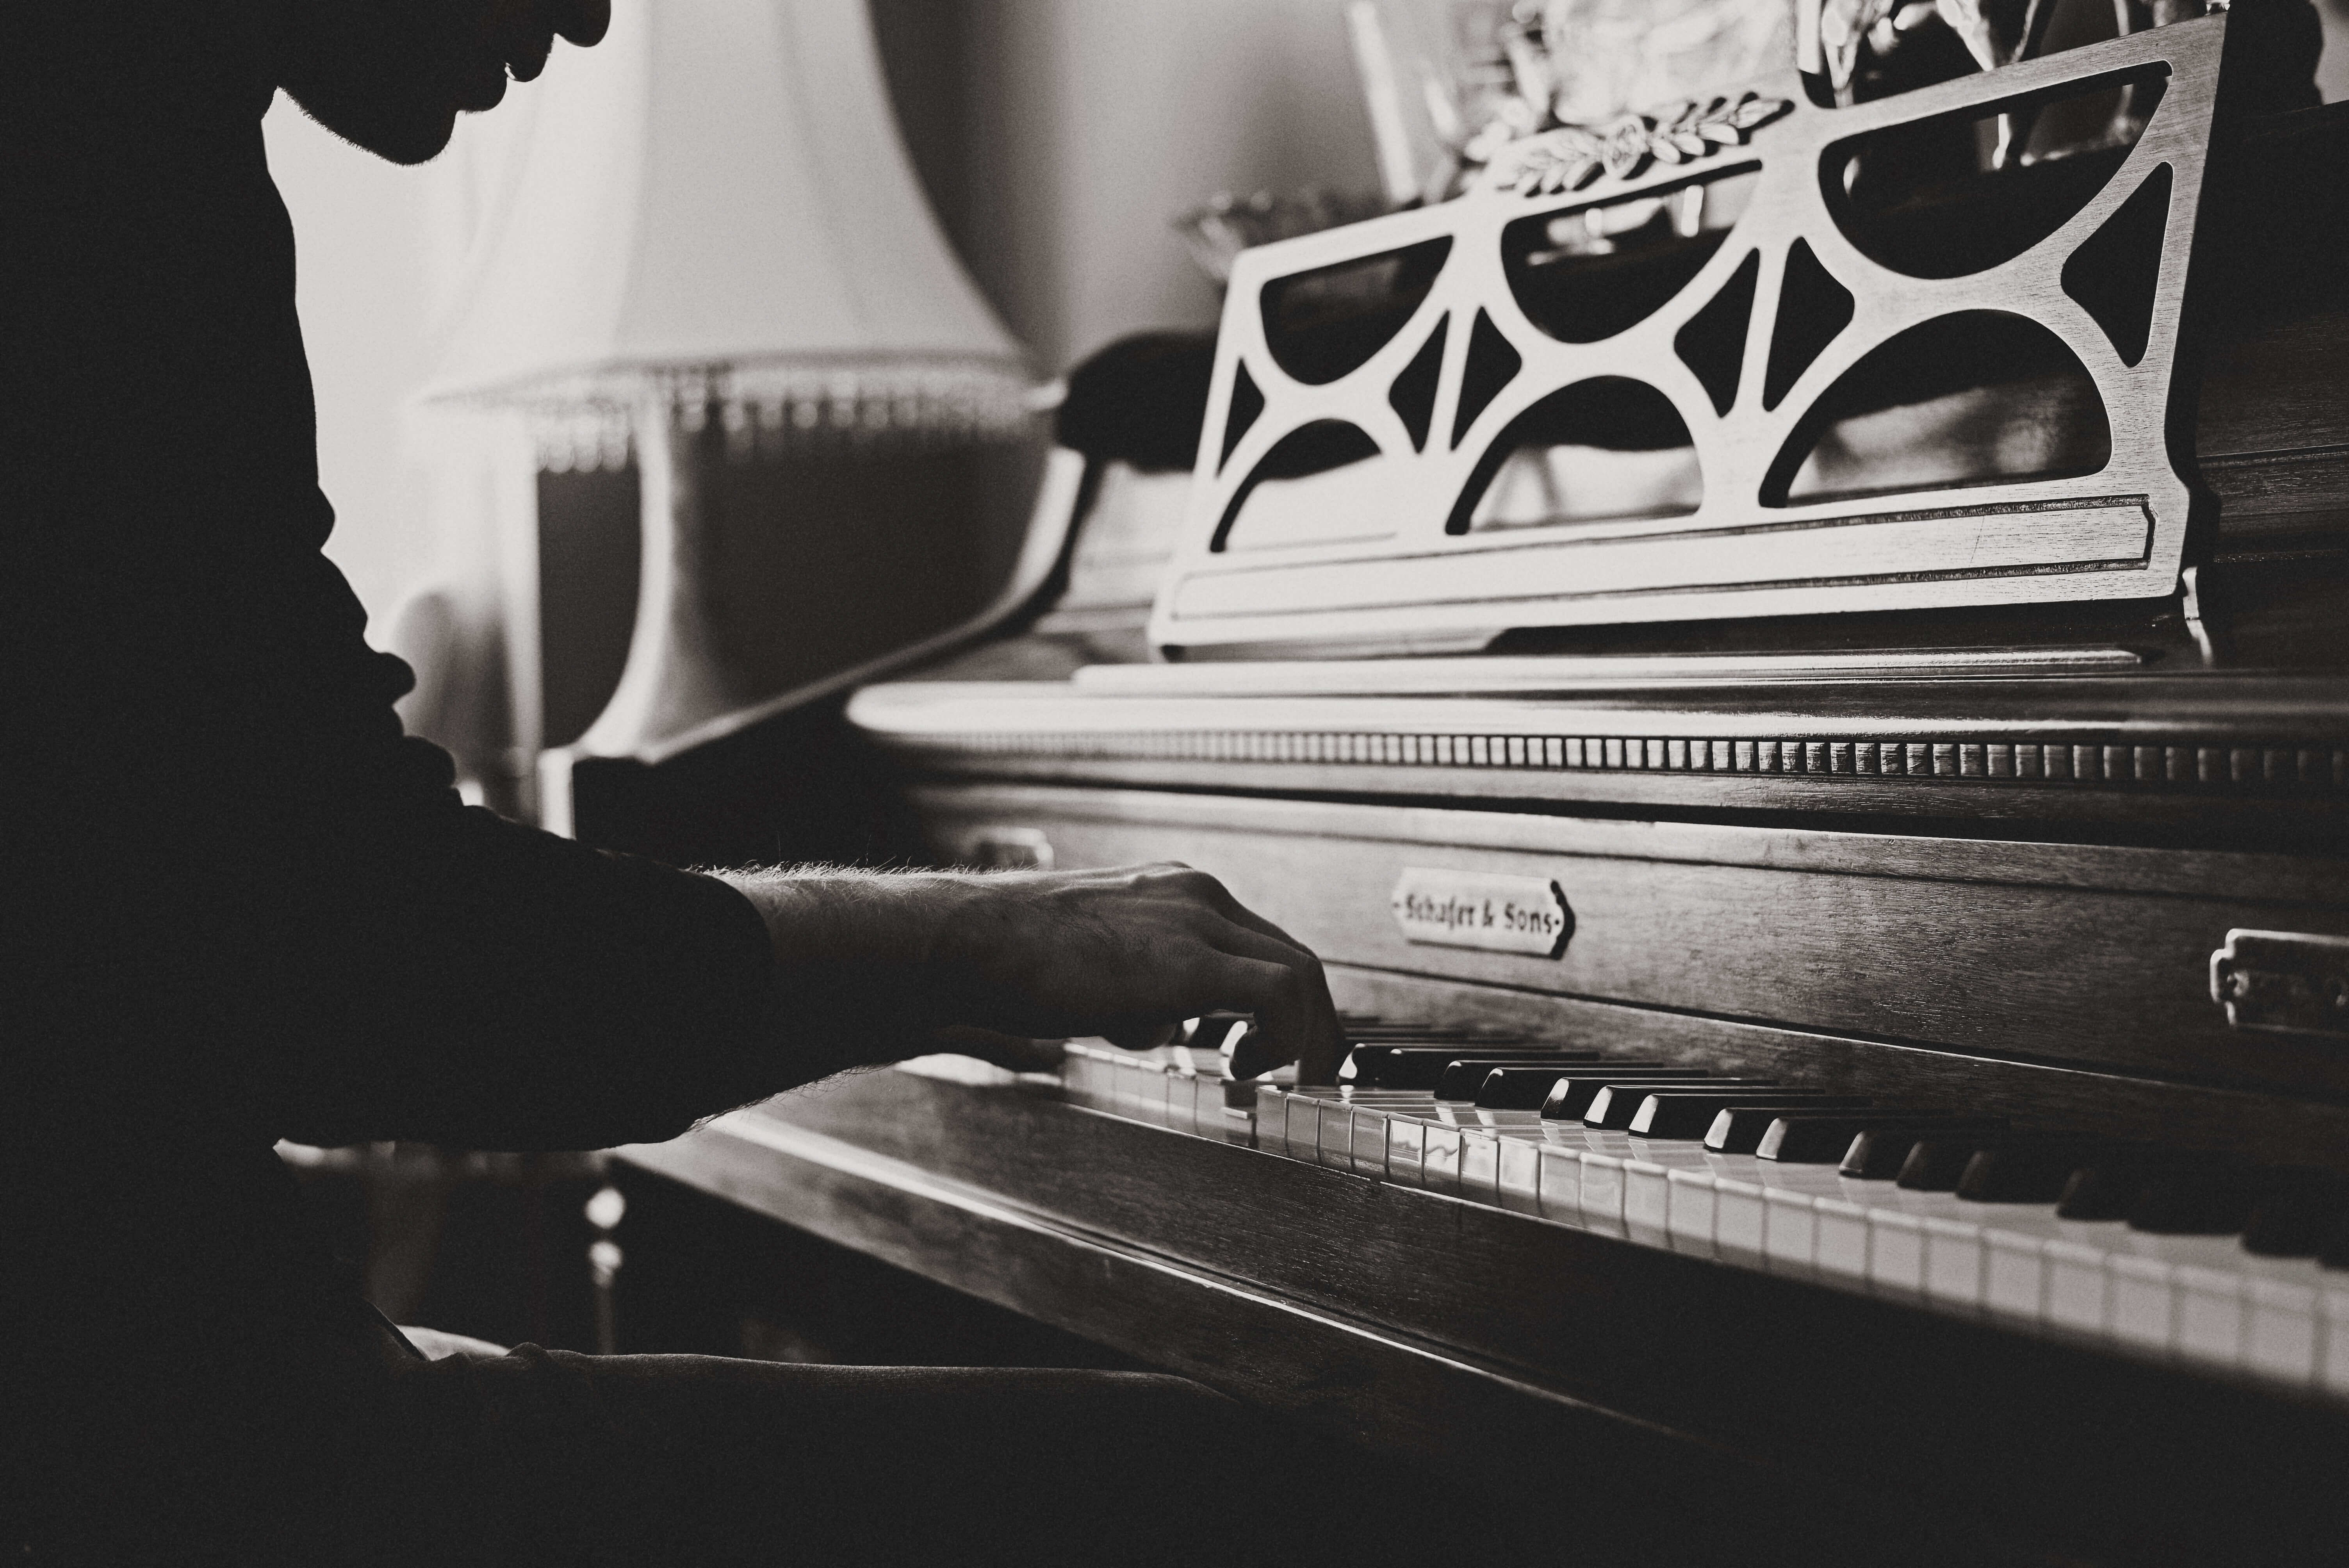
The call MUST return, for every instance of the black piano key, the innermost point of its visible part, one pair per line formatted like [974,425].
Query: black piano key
[2215,1200]
[2106,1187]
[2293,1217]
[1368,1060]
[2102,1191]
[1938,1163]
[1212,1031]
[1805,1139]
[1516,1087]
[1421,1066]
[1463,1076]
[2333,1250]
[1878,1153]
[1364,1048]
[1673,1114]
[1569,1097]
[1613,1107]
[1935,1164]
[1247,1057]
[2021,1170]
[1738,1129]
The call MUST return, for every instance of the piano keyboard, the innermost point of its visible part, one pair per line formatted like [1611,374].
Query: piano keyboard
[2205,1262]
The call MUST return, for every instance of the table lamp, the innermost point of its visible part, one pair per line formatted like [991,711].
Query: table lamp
[711,243]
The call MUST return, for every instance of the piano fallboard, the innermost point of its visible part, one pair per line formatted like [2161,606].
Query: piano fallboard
[2070,979]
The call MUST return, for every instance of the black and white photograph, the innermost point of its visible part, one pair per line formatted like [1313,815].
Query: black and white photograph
[1082,783]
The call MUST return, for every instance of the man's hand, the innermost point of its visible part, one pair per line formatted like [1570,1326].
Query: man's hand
[987,962]
[1127,955]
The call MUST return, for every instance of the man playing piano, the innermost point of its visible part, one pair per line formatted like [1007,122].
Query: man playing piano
[241,905]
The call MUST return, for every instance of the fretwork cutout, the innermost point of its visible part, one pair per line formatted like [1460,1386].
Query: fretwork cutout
[1772,417]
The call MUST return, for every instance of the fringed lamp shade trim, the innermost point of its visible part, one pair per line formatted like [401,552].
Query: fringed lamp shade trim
[585,422]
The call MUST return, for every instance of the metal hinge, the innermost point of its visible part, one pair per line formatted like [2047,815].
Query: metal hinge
[2283,980]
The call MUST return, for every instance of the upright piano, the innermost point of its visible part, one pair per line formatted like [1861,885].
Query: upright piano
[1802,704]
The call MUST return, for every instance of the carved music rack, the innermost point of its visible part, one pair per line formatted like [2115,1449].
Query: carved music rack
[1389,374]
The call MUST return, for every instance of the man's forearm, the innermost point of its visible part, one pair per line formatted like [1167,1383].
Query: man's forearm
[872,967]
[857,980]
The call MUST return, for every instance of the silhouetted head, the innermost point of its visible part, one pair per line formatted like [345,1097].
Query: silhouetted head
[393,75]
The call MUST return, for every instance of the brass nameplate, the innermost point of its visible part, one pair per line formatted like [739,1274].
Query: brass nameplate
[1475,909]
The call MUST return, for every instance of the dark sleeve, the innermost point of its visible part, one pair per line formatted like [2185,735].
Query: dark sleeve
[434,972]
[235,901]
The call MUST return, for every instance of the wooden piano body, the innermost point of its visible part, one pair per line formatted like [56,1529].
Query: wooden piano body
[1997,858]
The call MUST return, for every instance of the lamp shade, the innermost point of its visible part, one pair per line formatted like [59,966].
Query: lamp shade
[716,195]
[710,245]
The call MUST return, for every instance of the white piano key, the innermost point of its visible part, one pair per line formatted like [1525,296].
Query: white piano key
[2333,1318]
[2015,1274]
[2144,1311]
[1334,1140]
[1406,1150]
[1216,1113]
[2280,1339]
[1519,1169]
[1648,1164]
[1182,1102]
[1481,1148]
[1843,1238]
[1790,1231]
[1356,1138]
[1840,1245]
[1208,1105]
[1480,1158]
[1271,1117]
[2210,1313]
[1922,1245]
[1689,1210]
[1647,1194]
[1205,1104]
[1239,1121]
[1738,1220]
[1439,1169]
[1895,1250]
[1375,1112]
[1209,1116]
[1306,1109]
[1953,1262]
[1077,1076]
[2079,1292]
[1367,1140]
[1300,1125]
[1146,1091]
[1559,1193]
[1602,1192]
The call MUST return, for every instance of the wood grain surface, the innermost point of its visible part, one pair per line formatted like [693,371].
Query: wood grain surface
[1428,1327]
[2080,955]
